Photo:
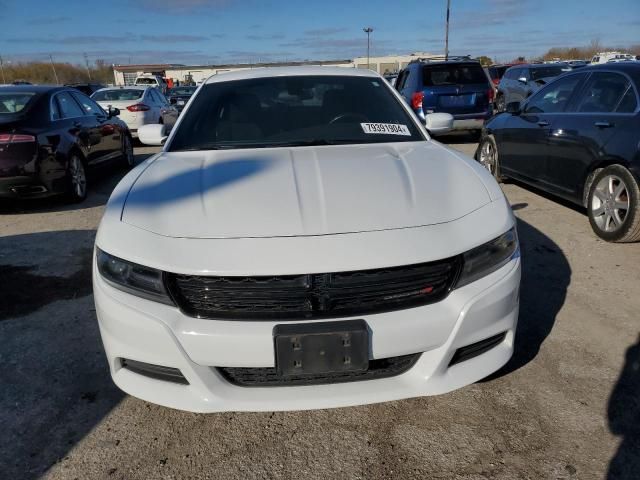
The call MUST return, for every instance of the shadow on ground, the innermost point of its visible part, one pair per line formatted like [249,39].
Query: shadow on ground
[624,418]
[55,381]
[546,275]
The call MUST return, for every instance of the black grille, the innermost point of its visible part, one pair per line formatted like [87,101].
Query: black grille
[268,377]
[315,295]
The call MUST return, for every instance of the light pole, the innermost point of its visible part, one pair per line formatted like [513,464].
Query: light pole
[2,70]
[368,31]
[446,35]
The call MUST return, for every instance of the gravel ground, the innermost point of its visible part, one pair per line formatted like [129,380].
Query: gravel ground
[566,407]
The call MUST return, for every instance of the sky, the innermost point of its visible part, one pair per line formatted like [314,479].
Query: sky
[239,31]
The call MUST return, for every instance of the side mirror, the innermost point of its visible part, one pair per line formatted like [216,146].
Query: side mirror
[113,112]
[522,79]
[152,134]
[513,108]
[439,123]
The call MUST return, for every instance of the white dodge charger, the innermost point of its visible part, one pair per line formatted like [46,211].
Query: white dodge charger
[299,243]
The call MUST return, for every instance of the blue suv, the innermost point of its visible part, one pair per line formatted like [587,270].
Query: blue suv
[458,86]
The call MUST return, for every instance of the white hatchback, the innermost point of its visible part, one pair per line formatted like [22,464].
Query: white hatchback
[301,231]
[138,105]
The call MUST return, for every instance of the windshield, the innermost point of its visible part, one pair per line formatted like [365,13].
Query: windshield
[146,81]
[182,91]
[294,111]
[544,72]
[453,74]
[14,102]
[119,95]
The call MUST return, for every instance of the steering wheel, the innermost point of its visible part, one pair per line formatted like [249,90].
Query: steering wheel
[342,116]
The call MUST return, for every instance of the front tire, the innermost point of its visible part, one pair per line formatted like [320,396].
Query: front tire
[77,179]
[613,205]
[488,156]
[128,156]
[500,103]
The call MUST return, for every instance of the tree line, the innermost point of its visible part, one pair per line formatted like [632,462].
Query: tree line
[58,72]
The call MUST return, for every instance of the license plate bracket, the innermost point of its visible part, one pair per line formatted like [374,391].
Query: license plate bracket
[317,348]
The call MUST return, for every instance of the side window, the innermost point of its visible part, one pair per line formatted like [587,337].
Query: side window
[402,79]
[55,110]
[629,102]
[554,97]
[603,93]
[90,107]
[68,106]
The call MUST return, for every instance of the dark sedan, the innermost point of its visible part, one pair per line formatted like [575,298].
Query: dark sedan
[578,138]
[179,96]
[50,136]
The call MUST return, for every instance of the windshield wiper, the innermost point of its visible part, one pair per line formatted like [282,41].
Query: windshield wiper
[294,143]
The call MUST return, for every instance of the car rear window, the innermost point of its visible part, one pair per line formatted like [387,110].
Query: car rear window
[545,72]
[146,81]
[119,95]
[452,74]
[294,111]
[14,102]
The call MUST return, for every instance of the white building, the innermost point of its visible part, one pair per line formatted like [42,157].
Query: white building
[126,74]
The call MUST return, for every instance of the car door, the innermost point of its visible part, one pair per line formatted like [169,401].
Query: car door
[524,139]
[587,132]
[78,123]
[108,141]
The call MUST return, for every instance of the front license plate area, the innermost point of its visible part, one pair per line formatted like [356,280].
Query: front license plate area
[317,348]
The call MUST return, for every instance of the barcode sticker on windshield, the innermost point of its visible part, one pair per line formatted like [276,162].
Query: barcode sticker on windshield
[386,128]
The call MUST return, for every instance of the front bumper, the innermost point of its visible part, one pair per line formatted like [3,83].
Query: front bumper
[141,330]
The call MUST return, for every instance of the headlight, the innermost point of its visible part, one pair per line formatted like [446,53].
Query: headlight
[132,278]
[488,258]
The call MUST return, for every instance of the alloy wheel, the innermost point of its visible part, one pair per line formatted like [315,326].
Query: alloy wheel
[610,203]
[78,177]
[488,157]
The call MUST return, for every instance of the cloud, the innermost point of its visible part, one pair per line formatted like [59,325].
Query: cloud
[173,38]
[108,39]
[271,36]
[46,20]
[320,32]
[181,6]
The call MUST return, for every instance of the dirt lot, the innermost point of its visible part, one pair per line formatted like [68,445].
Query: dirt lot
[566,407]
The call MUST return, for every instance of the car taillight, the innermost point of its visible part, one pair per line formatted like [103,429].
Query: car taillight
[138,107]
[416,100]
[16,138]
[490,94]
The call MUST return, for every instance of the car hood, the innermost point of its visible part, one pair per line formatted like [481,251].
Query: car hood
[303,191]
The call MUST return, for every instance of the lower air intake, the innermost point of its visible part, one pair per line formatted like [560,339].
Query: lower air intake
[268,376]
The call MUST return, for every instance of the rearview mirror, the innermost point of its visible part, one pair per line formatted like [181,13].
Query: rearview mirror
[513,108]
[152,134]
[522,79]
[439,123]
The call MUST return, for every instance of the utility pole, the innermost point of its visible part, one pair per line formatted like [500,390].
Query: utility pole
[86,61]
[2,70]
[368,31]
[446,36]
[54,68]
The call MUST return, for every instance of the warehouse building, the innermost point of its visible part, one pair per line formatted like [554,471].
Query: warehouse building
[126,74]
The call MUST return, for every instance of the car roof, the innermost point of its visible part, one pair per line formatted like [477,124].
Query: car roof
[122,87]
[32,88]
[268,72]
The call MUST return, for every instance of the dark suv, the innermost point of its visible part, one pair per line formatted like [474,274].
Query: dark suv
[458,86]
[521,81]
